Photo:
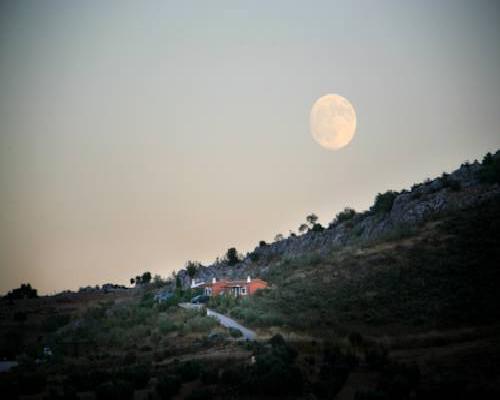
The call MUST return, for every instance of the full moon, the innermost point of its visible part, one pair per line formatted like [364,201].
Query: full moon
[332,121]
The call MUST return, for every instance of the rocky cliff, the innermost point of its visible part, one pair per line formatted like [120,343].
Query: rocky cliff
[463,188]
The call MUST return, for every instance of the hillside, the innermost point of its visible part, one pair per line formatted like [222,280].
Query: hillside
[394,215]
[397,302]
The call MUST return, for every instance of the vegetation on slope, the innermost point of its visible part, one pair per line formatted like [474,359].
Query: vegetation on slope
[444,274]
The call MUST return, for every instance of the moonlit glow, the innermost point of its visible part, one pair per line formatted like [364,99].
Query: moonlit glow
[333,121]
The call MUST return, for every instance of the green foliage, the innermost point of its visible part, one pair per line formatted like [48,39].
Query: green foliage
[232,256]
[146,277]
[317,228]
[147,300]
[200,323]
[235,333]
[448,182]
[279,237]
[490,171]
[166,326]
[254,257]
[303,228]
[346,215]
[312,219]
[192,267]
[383,202]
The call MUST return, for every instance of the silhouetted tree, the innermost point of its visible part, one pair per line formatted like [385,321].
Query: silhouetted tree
[317,228]
[262,243]
[279,237]
[192,267]
[146,277]
[232,256]
[345,215]
[383,202]
[303,228]
[132,281]
[312,219]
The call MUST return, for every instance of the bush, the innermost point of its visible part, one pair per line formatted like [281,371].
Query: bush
[236,333]
[490,171]
[383,202]
[166,326]
[317,227]
[201,324]
[346,215]
[253,256]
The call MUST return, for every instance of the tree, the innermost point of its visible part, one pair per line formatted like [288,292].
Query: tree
[383,202]
[279,237]
[192,268]
[303,228]
[232,256]
[146,277]
[158,281]
[347,214]
[138,280]
[312,219]
[132,281]
[262,243]
[317,228]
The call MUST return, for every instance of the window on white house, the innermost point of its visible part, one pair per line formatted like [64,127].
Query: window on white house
[243,290]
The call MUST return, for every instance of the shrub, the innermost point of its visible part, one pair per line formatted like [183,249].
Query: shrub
[346,215]
[201,324]
[448,182]
[254,257]
[490,171]
[317,227]
[166,326]
[236,333]
[147,300]
[383,202]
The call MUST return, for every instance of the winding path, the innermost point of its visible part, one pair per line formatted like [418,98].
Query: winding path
[231,323]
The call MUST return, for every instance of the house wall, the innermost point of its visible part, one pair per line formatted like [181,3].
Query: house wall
[255,285]
[218,287]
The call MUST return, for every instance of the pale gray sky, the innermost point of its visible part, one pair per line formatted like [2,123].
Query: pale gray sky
[143,134]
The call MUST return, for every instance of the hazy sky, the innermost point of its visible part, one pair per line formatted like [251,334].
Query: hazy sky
[140,134]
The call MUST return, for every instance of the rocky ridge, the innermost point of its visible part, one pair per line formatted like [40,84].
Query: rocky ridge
[459,190]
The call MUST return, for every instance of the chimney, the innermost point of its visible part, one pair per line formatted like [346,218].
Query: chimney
[214,279]
[249,279]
